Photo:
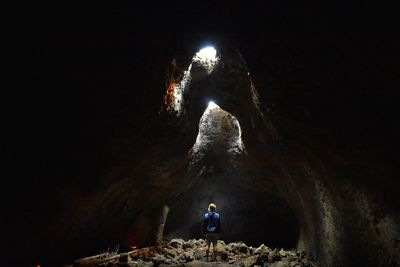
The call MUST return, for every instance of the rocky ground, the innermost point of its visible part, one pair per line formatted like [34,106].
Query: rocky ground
[178,252]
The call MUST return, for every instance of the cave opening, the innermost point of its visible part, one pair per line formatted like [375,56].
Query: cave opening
[217,174]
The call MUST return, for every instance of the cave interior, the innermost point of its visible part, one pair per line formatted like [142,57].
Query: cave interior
[288,122]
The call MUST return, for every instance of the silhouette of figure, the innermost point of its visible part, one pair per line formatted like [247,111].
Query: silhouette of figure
[212,228]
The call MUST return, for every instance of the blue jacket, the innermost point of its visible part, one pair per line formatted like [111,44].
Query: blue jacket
[211,222]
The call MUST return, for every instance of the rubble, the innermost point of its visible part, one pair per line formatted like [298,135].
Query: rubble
[181,253]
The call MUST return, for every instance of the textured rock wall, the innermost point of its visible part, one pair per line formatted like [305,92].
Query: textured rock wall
[291,187]
[297,175]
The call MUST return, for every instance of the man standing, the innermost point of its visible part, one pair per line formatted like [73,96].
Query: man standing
[211,228]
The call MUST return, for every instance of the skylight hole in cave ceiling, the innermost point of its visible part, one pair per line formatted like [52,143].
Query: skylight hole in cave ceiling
[208,59]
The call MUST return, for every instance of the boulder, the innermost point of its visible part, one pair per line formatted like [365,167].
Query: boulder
[186,257]
[274,255]
[176,243]
[250,261]
[187,245]
[223,254]
[199,254]
[243,248]
[262,258]
[158,259]
[282,253]
[263,249]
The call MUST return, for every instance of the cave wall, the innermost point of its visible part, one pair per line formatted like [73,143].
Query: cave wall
[300,175]
[288,187]
[86,187]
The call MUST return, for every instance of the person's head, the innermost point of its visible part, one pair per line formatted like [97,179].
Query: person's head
[212,207]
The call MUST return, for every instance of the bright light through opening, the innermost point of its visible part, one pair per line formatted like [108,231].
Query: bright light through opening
[207,57]
[208,53]
[212,105]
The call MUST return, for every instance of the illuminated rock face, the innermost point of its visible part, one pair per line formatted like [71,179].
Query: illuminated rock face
[272,179]
[219,134]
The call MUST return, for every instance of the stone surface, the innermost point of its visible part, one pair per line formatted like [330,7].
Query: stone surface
[199,254]
[232,254]
[262,249]
[249,261]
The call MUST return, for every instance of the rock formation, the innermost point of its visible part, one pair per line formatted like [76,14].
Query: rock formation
[276,180]
[192,253]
